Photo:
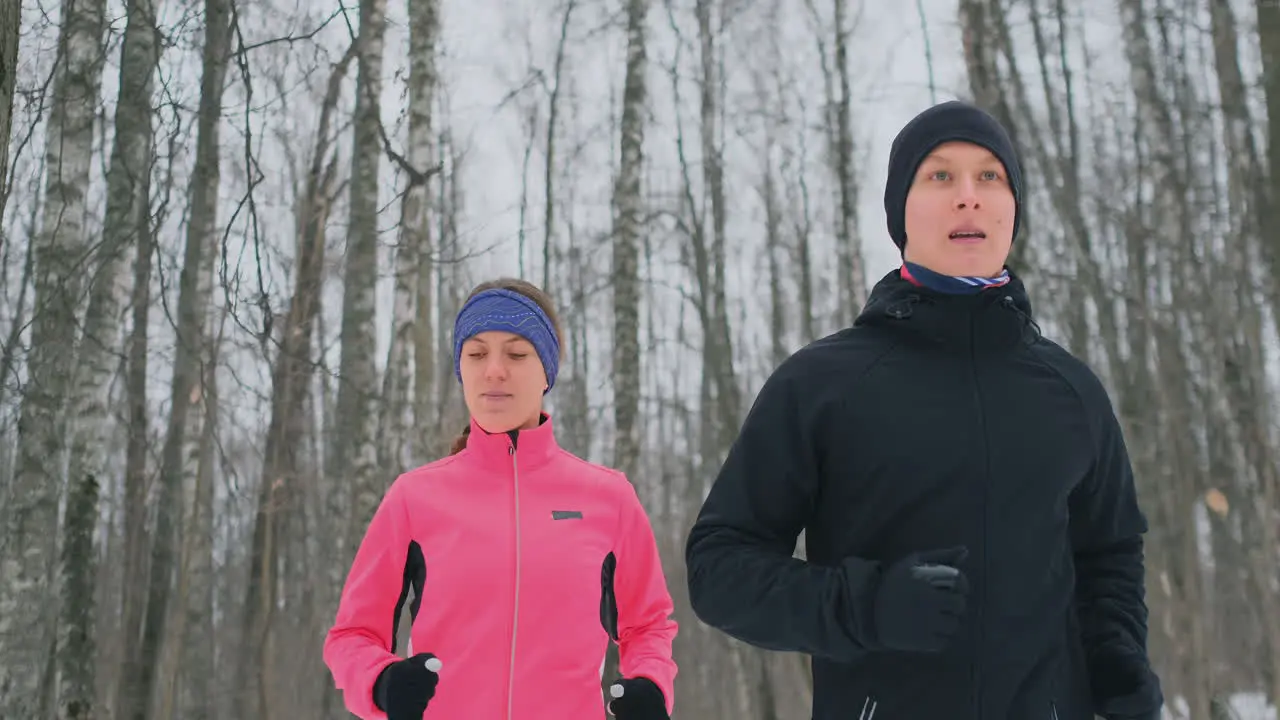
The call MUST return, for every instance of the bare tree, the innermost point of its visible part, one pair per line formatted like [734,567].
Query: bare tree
[424,31]
[28,546]
[627,230]
[10,14]
[414,248]
[194,669]
[280,491]
[553,124]
[126,228]
[850,272]
[358,374]
[628,227]
[76,646]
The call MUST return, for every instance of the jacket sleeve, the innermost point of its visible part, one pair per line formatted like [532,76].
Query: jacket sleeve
[362,640]
[1106,526]
[645,627]
[742,574]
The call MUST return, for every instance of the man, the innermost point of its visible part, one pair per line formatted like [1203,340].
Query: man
[973,535]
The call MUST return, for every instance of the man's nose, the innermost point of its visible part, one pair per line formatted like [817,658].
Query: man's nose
[966,195]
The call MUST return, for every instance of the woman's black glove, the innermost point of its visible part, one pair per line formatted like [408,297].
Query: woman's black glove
[641,700]
[404,687]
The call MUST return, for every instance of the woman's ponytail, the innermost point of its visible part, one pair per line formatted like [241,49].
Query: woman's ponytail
[460,442]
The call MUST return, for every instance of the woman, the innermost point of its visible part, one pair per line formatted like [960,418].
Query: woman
[973,533]
[524,560]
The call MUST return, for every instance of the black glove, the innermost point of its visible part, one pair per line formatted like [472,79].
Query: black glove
[920,600]
[404,688]
[1124,686]
[641,700]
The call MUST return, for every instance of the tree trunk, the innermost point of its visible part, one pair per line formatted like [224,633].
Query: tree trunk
[10,23]
[414,251]
[553,122]
[628,228]
[358,372]
[424,32]
[76,649]
[627,231]
[278,491]
[28,546]
[851,279]
[126,228]
[195,671]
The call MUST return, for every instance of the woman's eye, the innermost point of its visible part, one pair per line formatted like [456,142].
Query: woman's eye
[519,356]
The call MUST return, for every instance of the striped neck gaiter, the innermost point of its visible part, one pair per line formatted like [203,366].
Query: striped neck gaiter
[956,285]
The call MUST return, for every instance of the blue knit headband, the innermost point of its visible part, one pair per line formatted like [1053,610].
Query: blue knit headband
[508,311]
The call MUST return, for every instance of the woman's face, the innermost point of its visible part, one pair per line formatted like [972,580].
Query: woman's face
[502,381]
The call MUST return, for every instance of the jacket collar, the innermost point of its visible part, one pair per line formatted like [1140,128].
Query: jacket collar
[500,451]
[993,320]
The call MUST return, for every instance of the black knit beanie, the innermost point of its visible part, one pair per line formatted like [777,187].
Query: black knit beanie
[942,123]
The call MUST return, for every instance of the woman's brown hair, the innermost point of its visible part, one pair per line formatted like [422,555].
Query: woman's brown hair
[534,293]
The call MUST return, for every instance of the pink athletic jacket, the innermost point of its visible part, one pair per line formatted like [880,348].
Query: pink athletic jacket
[527,561]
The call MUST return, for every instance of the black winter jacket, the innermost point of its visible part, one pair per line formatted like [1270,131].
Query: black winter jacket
[937,420]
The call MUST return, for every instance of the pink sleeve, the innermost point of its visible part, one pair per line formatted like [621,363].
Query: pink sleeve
[360,643]
[646,629]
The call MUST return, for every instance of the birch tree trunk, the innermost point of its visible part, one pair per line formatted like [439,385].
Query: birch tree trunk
[851,279]
[412,304]
[79,567]
[628,226]
[1268,19]
[424,31]
[1247,202]
[126,228]
[195,671]
[627,230]
[358,374]
[553,126]
[191,688]
[194,291]
[290,379]
[28,548]
[10,18]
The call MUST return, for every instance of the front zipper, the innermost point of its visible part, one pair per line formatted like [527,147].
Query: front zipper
[986,474]
[515,611]
[1053,711]
[868,708]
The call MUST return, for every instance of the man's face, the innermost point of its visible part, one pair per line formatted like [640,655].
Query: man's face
[960,211]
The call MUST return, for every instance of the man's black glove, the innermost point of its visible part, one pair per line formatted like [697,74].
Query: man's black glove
[404,688]
[641,700]
[1124,686]
[920,601]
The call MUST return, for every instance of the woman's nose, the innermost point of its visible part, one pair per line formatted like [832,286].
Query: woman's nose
[495,366]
